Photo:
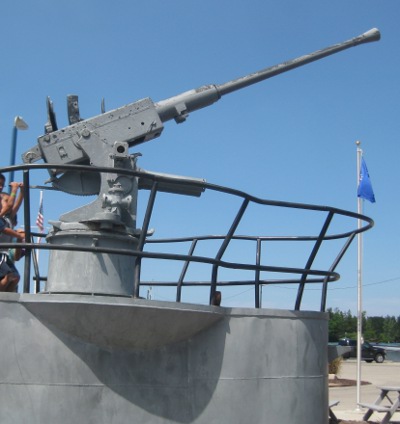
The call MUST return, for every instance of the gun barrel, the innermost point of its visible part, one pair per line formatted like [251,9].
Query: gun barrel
[179,107]
[367,37]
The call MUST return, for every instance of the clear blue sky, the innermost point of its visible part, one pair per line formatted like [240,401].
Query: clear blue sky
[289,138]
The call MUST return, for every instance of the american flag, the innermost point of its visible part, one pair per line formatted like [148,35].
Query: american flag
[40,217]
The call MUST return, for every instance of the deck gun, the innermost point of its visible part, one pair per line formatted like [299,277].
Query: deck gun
[104,140]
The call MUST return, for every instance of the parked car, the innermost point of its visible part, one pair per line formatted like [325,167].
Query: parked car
[369,352]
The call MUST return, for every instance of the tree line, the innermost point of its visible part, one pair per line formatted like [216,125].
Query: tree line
[374,329]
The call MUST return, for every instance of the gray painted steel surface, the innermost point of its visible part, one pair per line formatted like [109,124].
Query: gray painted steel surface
[69,358]
[73,359]
[88,272]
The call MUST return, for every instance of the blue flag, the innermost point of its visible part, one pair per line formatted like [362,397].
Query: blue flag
[364,185]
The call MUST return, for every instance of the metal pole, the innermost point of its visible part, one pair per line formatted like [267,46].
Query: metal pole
[142,239]
[359,281]
[258,300]
[19,124]
[13,150]
[28,237]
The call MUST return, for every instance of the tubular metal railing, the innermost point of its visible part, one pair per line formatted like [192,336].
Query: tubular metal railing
[300,276]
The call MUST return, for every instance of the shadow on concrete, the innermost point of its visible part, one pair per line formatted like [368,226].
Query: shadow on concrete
[164,361]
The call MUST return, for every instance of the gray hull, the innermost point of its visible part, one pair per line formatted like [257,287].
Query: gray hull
[86,359]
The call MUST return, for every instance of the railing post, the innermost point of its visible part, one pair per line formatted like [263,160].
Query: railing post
[184,270]
[142,239]
[224,245]
[332,268]
[311,258]
[257,282]
[27,223]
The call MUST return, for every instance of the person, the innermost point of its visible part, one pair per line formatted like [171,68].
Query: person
[15,253]
[9,275]
[7,205]
[10,203]
[15,202]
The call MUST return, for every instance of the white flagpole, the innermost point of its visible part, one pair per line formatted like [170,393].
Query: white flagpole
[359,281]
[39,239]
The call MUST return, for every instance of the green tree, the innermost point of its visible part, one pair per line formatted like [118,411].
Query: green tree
[390,330]
[350,323]
[375,329]
[369,330]
[336,324]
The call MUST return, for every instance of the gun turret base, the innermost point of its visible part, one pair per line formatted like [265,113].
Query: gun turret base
[95,272]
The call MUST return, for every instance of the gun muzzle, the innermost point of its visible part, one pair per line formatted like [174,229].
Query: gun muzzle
[179,107]
[229,87]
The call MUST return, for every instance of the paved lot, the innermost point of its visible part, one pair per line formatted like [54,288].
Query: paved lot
[387,373]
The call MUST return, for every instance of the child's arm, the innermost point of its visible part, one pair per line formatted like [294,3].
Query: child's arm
[12,233]
[18,200]
[20,235]
[7,201]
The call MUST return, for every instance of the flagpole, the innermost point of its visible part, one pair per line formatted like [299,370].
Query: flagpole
[39,223]
[359,281]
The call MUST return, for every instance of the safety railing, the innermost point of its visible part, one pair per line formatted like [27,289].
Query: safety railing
[260,273]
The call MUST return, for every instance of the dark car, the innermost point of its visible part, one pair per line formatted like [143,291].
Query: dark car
[369,352]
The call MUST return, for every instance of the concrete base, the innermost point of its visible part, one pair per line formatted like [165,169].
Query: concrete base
[102,360]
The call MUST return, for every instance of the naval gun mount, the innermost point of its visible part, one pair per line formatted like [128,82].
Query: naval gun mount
[70,357]
[91,156]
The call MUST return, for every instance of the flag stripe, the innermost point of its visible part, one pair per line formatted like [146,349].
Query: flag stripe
[40,217]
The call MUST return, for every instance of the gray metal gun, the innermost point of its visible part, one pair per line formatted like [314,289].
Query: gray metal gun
[143,120]
[105,140]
